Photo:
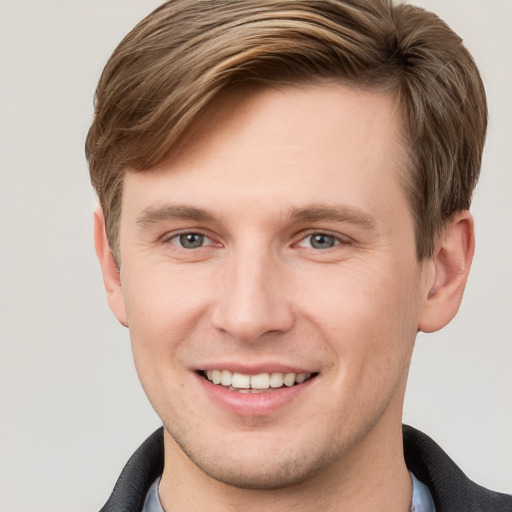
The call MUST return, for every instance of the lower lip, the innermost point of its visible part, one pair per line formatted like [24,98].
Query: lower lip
[254,404]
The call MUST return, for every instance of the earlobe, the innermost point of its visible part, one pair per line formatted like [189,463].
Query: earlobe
[451,264]
[109,268]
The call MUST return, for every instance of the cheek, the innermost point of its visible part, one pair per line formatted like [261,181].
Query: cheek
[368,316]
[164,313]
[165,309]
[157,296]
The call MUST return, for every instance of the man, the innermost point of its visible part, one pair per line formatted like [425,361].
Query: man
[285,191]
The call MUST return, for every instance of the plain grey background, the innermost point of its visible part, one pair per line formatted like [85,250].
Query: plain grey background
[72,410]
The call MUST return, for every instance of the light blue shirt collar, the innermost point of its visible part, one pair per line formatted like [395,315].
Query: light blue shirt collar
[422,500]
[152,501]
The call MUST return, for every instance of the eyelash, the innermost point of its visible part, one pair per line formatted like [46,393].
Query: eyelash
[337,240]
[169,239]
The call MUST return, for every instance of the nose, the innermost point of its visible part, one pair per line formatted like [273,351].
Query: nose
[252,300]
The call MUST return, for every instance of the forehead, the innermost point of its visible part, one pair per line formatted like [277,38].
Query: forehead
[293,144]
[306,117]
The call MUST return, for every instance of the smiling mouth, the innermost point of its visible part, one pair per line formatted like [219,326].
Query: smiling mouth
[261,383]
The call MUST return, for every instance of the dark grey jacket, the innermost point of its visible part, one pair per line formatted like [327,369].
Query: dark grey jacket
[451,489]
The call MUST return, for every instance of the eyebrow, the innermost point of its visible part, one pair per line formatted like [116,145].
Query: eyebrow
[153,215]
[334,213]
[313,213]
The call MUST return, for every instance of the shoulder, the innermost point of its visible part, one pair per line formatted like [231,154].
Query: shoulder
[141,470]
[450,487]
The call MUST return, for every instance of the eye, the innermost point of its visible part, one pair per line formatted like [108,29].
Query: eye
[190,240]
[319,241]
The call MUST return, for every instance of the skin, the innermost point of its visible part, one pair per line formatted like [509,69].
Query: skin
[262,164]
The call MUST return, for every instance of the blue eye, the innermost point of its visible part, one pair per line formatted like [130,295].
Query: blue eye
[189,240]
[319,241]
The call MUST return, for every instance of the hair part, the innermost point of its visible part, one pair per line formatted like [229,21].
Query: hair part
[176,61]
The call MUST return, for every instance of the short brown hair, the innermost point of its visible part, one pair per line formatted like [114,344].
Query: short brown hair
[177,60]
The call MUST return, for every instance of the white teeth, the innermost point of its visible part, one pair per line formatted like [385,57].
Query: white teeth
[289,379]
[300,378]
[225,378]
[216,376]
[276,380]
[240,381]
[261,381]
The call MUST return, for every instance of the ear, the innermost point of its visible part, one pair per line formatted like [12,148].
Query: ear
[451,264]
[109,268]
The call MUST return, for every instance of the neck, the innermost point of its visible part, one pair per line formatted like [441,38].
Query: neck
[372,476]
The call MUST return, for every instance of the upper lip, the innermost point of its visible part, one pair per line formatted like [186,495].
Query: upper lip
[255,369]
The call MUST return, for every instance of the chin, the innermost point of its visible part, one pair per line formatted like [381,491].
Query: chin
[277,474]
[259,465]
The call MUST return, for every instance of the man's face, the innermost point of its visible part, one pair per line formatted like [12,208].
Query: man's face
[279,244]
